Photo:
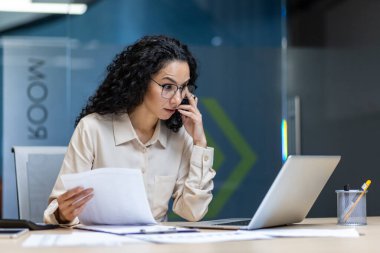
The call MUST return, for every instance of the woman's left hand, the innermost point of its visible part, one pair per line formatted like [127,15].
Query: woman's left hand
[192,120]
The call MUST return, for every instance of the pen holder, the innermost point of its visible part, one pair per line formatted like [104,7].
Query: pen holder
[351,207]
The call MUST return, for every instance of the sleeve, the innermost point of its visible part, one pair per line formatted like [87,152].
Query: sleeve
[78,158]
[192,193]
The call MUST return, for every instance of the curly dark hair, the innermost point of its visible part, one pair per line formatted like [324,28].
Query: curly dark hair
[129,74]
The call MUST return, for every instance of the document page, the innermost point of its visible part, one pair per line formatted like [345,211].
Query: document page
[278,232]
[119,196]
[246,235]
[83,239]
[127,230]
[202,237]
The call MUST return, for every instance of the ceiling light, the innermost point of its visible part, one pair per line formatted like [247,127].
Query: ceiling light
[53,8]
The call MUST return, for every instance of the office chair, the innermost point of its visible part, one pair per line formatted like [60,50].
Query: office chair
[37,168]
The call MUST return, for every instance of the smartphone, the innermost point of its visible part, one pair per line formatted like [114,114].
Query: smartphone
[15,223]
[12,232]
[185,101]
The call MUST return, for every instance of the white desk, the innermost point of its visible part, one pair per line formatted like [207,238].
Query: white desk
[369,241]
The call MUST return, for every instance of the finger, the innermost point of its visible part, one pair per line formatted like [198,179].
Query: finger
[191,97]
[80,196]
[196,100]
[68,194]
[70,212]
[187,108]
[187,114]
[78,211]
[82,201]
[64,203]
[72,196]
[192,100]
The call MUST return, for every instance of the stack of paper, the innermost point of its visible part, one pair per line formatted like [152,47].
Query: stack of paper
[83,239]
[167,234]
[128,230]
[246,235]
[119,196]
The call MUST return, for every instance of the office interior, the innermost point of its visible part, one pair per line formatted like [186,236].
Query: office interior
[276,78]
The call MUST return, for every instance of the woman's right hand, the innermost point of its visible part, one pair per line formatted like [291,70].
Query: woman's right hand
[72,203]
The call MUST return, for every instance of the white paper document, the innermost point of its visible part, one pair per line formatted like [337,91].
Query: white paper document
[127,230]
[277,232]
[202,237]
[246,235]
[80,239]
[119,196]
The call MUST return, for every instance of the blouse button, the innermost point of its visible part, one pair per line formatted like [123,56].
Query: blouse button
[205,158]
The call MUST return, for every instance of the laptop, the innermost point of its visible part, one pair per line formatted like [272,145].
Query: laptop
[290,197]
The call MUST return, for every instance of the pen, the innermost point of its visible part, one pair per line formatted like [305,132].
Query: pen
[167,231]
[356,200]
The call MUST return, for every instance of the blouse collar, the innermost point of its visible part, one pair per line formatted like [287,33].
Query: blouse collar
[124,131]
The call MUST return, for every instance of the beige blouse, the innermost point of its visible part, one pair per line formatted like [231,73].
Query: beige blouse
[171,165]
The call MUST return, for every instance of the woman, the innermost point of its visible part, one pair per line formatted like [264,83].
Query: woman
[134,120]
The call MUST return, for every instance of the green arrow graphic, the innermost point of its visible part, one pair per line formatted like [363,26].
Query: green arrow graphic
[248,157]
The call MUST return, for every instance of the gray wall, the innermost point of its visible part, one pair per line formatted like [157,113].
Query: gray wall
[333,65]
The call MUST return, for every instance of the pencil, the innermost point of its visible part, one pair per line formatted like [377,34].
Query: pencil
[352,208]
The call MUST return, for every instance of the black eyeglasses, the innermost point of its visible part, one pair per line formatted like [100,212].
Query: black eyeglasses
[169,90]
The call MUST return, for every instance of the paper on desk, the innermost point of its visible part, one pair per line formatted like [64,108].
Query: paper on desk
[202,237]
[246,235]
[77,239]
[278,232]
[126,230]
[119,196]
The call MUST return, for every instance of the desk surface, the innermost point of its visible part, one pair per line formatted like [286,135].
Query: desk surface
[367,242]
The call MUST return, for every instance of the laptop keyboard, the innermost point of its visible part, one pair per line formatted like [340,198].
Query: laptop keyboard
[236,223]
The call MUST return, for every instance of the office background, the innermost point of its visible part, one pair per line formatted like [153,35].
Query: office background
[256,58]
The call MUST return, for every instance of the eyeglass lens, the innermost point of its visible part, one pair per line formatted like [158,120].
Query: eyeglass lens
[169,90]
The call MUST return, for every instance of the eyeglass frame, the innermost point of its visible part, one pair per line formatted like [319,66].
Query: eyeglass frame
[181,88]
